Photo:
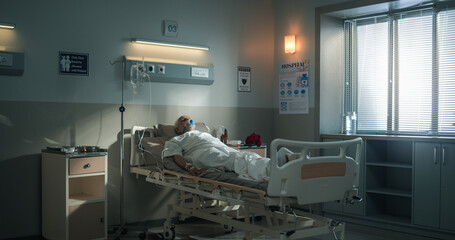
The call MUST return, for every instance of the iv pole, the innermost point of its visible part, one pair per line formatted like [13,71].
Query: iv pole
[122,148]
[122,229]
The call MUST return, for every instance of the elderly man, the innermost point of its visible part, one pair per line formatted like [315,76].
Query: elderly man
[196,151]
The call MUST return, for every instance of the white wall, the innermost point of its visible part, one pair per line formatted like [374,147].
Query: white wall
[298,18]
[236,36]
[42,108]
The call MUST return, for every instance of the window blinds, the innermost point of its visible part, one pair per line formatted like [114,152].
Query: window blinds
[414,49]
[404,79]
[372,55]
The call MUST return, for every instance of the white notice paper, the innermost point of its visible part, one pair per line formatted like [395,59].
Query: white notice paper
[293,87]
[244,79]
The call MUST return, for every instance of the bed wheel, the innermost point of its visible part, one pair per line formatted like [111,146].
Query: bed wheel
[169,234]
[227,228]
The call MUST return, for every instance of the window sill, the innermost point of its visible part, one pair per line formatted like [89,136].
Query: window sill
[391,137]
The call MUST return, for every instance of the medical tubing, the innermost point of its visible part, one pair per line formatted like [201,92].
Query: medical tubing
[142,148]
[139,145]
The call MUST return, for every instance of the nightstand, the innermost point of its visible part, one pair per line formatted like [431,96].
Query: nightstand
[74,195]
[262,150]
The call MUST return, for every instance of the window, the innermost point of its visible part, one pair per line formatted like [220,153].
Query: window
[400,72]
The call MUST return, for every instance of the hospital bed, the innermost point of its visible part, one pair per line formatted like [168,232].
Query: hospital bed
[235,203]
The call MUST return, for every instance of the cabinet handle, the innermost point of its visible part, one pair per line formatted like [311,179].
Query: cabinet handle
[87,165]
[435,152]
[443,155]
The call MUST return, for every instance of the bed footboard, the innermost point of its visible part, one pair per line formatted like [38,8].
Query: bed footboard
[315,179]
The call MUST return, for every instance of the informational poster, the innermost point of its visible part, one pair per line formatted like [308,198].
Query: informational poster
[293,87]
[73,63]
[244,79]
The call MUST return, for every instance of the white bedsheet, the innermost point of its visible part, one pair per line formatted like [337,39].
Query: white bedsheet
[205,151]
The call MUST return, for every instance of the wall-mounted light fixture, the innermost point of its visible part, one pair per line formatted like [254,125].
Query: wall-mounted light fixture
[289,44]
[7,25]
[170,44]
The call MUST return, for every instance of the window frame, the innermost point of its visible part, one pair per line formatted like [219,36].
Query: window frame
[350,88]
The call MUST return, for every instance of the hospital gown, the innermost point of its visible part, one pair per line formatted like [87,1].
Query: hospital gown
[205,151]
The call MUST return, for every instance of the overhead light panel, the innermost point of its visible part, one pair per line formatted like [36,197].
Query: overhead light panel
[170,44]
[7,25]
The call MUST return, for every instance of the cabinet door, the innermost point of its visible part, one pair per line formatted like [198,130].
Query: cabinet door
[426,184]
[448,186]
[86,221]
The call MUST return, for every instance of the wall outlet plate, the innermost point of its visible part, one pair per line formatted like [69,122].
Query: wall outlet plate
[6,59]
[161,69]
[11,63]
[150,68]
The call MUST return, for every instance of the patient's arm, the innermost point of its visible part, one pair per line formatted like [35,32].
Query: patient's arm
[181,162]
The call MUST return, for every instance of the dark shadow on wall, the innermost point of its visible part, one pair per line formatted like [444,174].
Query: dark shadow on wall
[20,185]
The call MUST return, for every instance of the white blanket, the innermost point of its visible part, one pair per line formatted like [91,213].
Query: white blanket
[205,151]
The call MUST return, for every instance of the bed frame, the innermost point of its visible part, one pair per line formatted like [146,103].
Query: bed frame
[306,180]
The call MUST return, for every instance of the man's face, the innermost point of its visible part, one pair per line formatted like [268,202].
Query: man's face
[184,124]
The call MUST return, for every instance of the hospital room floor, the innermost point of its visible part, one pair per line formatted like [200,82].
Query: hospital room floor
[206,230]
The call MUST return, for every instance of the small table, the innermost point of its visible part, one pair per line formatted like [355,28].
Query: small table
[262,150]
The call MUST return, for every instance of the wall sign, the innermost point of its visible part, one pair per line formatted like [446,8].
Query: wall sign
[244,79]
[170,28]
[200,72]
[293,87]
[71,63]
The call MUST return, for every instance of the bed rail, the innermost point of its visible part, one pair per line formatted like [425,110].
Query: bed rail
[315,179]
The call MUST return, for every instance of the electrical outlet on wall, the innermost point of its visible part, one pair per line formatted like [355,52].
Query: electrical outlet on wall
[151,68]
[161,69]
[6,59]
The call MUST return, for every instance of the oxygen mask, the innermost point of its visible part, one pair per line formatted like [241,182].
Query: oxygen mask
[189,125]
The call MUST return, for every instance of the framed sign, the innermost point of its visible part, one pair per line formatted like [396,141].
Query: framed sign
[293,87]
[244,79]
[170,28]
[71,63]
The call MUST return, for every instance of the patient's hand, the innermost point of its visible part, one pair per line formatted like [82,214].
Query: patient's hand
[193,170]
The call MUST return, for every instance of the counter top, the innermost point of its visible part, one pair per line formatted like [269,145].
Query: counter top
[391,137]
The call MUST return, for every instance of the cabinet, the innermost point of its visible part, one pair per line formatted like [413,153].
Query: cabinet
[262,150]
[388,180]
[434,185]
[407,184]
[74,195]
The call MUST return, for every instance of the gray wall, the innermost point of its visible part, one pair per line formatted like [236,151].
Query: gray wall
[103,29]
[299,18]
[42,108]
[332,78]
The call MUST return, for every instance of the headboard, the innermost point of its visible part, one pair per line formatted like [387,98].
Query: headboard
[152,139]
